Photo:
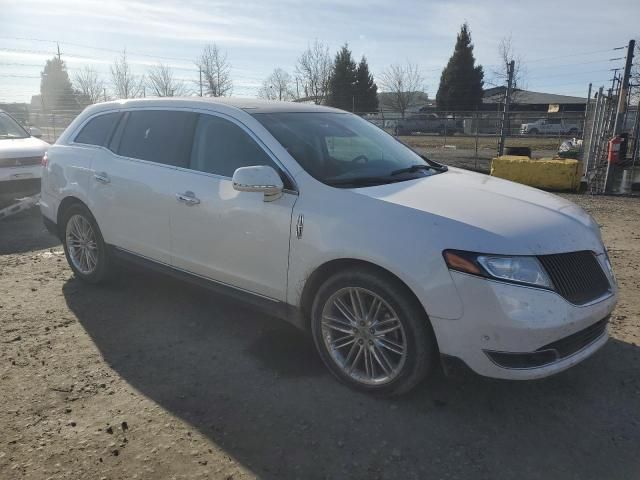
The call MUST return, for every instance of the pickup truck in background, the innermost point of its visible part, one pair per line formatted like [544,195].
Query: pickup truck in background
[551,126]
[427,123]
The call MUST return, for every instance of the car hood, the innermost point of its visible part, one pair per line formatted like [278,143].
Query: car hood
[471,211]
[22,147]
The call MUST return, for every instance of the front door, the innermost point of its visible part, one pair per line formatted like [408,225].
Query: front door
[235,238]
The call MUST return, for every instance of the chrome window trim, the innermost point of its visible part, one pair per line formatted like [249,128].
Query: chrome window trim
[201,111]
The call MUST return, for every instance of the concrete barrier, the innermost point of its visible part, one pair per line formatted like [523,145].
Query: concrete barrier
[545,173]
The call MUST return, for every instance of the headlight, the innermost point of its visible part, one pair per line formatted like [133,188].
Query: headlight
[517,269]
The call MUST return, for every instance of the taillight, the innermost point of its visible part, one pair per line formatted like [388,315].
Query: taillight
[45,160]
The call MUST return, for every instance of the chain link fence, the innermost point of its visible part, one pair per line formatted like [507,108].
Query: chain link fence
[465,139]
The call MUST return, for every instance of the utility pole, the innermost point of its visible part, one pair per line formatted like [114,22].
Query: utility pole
[200,70]
[505,112]
[586,110]
[623,91]
[58,45]
[593,135]
[104,92]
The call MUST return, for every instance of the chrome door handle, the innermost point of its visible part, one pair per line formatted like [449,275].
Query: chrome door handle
[188,197]
[102,177]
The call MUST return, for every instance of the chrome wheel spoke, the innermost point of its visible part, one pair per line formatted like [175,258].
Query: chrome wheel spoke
[367,363]
[340,305]
[343,342]
[355,359]
[382,359]
[374,310]
[385,331]
[337,324]
[391,346]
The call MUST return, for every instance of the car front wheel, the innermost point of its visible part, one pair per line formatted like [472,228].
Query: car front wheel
[83,245]
[372,333]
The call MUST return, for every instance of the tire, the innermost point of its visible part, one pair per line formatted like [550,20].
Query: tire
[533,131]
[442,131]
[80,233]
[389,372]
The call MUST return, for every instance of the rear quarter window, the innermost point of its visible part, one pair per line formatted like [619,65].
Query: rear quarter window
[98,130]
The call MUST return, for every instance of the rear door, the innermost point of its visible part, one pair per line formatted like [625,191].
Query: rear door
[132,185]
[235,238]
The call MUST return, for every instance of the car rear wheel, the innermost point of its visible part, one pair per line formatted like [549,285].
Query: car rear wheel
[371,333]
[84,246]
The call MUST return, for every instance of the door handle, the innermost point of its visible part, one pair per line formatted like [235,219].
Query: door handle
[188,197]
[102,177]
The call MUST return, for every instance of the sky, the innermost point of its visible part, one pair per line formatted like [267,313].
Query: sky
[564,45]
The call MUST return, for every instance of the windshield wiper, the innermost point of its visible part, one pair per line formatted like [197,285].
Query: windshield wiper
[412,169]
[419,166]
[361,181]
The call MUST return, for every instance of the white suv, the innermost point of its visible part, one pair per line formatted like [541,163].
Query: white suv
[392,261]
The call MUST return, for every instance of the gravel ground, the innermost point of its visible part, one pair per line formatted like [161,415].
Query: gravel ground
[149,378]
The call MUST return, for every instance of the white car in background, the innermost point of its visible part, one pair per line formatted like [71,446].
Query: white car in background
[390,260]
[20,157]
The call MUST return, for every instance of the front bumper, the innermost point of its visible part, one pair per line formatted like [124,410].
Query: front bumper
[512,319]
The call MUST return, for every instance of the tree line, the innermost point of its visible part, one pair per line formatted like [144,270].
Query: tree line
[337,81]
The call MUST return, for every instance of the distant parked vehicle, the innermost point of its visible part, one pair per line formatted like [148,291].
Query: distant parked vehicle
[20,157]
[552,126]
[427,123]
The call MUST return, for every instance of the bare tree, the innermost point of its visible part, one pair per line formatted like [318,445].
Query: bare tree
[404,84]
[314,69]
[163,84]
[215,72]
[90,85]
[125,83]
[501,73]
[277,86]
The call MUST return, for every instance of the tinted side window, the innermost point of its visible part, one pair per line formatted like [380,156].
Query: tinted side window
[98,129]
[160,136]
[221,147]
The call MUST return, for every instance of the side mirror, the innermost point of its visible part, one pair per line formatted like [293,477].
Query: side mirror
[35,132]
[260,178]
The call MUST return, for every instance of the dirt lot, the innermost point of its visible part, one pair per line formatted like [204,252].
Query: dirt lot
[149,378]
[460,150]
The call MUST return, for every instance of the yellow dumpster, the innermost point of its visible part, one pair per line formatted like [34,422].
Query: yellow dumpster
[545,173]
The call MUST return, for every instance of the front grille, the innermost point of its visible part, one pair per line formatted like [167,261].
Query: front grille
[577,276]
[577,341]
[20,162]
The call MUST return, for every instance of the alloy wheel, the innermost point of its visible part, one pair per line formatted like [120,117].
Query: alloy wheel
[364,336]
[82,244]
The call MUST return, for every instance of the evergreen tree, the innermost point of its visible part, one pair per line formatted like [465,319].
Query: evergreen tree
[365,89]
[461,81]
[55,87]
[342,81]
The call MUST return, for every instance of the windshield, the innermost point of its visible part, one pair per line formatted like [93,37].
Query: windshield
[9,128]
[341,149]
